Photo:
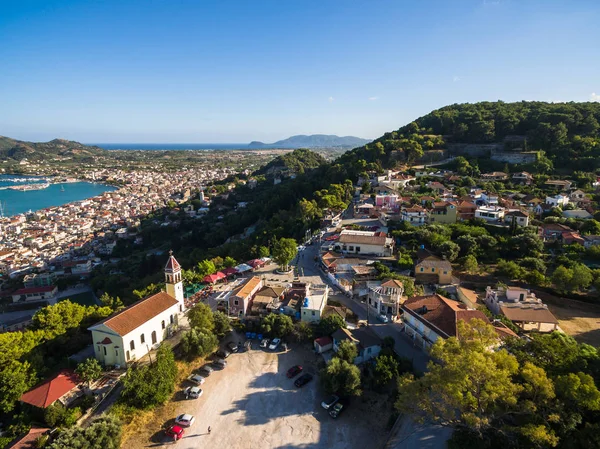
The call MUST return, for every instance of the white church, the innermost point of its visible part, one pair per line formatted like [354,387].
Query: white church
[131,333]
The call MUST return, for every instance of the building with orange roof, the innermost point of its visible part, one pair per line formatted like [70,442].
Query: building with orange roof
[130,334]
[240,300]
[62,387]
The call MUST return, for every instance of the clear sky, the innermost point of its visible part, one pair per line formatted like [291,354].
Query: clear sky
[240,70]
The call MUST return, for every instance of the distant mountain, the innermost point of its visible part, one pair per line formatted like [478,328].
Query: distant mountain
[313,141]
[37,151]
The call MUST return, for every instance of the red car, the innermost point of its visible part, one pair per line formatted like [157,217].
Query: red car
[294,371]
[175,432]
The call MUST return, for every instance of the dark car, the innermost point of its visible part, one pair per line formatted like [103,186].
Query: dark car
[294,371]
[233,347]
[336,410]
[219,363]
[206,370]
[303,380]
[223,353]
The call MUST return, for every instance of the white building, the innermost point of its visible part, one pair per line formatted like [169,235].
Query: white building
[35,294]
[557,200]
[131,333]
[385,297]
[415,215]
[490,213]
[313,304]
[365,242]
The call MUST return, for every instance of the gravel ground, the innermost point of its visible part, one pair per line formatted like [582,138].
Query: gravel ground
[251,403]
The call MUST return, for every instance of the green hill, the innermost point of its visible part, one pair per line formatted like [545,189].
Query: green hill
[12,149]
[568,133]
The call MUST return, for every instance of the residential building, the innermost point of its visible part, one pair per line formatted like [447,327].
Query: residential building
[577,213]
[428,318]
[314,303]
[591,240]
[521,218]
[240,300]
[494,176]
[35,294]
[365,242]
[443,212]
[63,387]
[130,334]
[521,307]
[553,231]
[491,214]
[522,178]
[466,210]
[432,269]
[557,200]
[323,344]
[385,297]
[367,343]
[38,280]
[268,299]
[293,299]
[559,184]
[415,215]
[30,440]
[389,201]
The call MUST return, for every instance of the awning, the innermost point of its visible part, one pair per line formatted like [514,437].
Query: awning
[243,268]
[255,263]
[230,271]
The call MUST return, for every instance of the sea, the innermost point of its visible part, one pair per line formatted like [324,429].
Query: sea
[172,146]
[15,202]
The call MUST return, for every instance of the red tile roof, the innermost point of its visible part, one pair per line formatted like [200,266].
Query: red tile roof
[52,389]
[172,264]
[29,441]
[138,313]
[25,291]
[441,313]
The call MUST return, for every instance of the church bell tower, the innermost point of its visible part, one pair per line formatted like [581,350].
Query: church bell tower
[173,280]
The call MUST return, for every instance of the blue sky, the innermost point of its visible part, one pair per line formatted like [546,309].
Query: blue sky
[241,70]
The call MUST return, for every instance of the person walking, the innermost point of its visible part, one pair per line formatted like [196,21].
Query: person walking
[209,430]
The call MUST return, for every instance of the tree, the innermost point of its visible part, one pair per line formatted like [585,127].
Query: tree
[197,342]
[104,433]
[303,332]
[262,251]
[329,325]
[201,318]
[341,377]
[284,251]
[148,290]
[469,385]
[277,325]
[469,264]
[562,277]
[449,250]
[114,302]
[206,267]
[222,324]
[386,369]
[89,370]
[347,351]
[150,385]
[509,269]
[15,379]
[229,262]
[582,277]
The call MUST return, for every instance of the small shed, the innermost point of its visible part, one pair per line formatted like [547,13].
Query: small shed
[323,344]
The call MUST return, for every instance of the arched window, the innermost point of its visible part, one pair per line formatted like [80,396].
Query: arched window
[162,324]
[132,345]
[153,337]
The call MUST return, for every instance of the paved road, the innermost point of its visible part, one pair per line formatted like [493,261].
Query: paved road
[407,434]
[404,346]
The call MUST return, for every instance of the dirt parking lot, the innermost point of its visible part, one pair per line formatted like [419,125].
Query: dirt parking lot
[582,321]
[252,404]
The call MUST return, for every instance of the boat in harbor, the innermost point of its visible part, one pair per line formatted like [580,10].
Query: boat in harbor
[62,188]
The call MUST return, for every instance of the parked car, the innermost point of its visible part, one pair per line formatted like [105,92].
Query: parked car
[185,420]
[330,402]
[175,432]
[336,410]
[264,343]
[192,392]
[219,363]
[382,318]
[233,347]
[274,344]
[294,371]
[206,370]
[196,379]
[223,353]
[303,380]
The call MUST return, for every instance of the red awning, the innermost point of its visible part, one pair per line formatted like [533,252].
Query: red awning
[230,271]
[255,263]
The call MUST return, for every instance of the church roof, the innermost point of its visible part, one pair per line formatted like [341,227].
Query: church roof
[138,313]
[172,264]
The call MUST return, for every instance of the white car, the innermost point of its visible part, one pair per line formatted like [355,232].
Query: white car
[264,343]
[274,344]
[192,392]
[185,420]
[382,318]
[196,379]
